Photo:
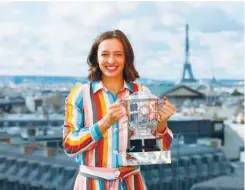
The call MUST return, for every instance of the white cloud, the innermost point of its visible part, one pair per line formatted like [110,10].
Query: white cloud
[127,7]
[9,28]
[58,40]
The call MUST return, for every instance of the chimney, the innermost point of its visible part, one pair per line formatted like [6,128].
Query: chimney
[26,149]
[49,152]
[51,148]
[5,139]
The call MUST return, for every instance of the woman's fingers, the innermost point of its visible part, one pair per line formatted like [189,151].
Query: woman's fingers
[169,105]
[166,111]
[164,115]
[115,109]
[117,113]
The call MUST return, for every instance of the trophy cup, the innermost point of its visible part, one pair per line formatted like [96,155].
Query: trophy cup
[142,117]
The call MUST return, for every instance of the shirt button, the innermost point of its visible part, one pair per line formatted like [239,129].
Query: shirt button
[115,152]
[115,130]
[117,173]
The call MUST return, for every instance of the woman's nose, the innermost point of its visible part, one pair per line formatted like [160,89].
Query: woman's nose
[111,59]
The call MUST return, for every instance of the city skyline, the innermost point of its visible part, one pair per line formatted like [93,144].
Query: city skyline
[53,38]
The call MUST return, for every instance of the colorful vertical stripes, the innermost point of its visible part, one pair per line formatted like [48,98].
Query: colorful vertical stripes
[165,139]
[85,106]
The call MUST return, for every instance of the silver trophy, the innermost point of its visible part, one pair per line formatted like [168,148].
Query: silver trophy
[142,117]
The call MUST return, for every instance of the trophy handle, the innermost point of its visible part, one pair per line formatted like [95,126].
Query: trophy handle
[160,103]
[124,104]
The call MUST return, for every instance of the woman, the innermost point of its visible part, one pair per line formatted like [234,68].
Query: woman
[93,129]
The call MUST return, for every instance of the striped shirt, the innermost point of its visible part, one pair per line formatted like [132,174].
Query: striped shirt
[96,152]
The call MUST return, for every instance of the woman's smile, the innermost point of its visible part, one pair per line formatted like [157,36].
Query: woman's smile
[111,68]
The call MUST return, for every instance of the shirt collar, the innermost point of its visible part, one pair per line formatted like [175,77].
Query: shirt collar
[98,85]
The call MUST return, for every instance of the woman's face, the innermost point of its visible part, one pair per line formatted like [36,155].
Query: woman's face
[111,58]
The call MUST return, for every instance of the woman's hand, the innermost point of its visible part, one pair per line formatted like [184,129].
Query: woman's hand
[164,113]
[114,113]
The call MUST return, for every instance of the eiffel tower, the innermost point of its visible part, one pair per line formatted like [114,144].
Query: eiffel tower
[187,66]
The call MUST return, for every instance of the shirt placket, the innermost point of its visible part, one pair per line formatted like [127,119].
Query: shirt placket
[115,136]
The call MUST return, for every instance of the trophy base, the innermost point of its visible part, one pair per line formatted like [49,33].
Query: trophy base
[147,158]
[143,150]
[142,145]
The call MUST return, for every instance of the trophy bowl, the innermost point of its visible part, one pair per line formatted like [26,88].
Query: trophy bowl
[141,116]
[141,112]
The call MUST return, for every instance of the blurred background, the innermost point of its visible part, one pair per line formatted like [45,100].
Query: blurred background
[191,52]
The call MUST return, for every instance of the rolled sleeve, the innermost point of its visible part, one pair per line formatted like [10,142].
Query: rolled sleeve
[164,139]
[78,138]
[95,132]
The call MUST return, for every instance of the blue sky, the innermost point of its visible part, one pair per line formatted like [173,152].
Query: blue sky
[53,38]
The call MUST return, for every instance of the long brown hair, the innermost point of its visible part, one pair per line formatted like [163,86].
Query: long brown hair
[129,73]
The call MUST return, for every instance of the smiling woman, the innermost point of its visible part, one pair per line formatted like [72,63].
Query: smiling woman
[121,51]
[94,131]
[111,60]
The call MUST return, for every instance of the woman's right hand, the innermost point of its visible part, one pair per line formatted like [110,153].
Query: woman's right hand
[115,113]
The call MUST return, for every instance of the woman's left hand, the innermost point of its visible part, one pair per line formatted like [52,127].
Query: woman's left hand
[166,111]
